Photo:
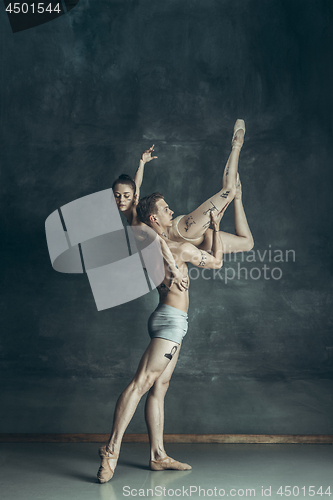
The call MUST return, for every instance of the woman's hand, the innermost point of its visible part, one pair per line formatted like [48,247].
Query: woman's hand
[146,156]
[216,217]
[180,280]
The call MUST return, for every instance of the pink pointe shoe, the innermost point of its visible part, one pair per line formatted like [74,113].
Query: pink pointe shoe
[239,125]
[168,463]
[105,472]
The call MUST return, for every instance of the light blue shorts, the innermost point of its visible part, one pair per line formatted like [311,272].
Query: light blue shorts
[169,323]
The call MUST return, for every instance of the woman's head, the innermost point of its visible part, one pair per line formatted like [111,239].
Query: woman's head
[124,190]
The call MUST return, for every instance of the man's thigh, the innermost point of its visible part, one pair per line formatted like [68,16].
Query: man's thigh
[158,356]
[167,373]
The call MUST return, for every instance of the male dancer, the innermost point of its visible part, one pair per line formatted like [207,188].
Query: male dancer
[167,327]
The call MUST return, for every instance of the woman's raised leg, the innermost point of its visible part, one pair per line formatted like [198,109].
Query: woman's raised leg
[195,224]
[242,241]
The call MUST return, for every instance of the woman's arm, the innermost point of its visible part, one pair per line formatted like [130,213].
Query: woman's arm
[145,158]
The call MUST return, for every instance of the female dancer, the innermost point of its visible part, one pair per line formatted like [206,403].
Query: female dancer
[126,192]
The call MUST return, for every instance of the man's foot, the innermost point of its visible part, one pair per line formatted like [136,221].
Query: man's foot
[168,463]
[108,464]
[239,133]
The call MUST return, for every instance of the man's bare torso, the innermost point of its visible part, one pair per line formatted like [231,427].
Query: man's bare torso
[171,295]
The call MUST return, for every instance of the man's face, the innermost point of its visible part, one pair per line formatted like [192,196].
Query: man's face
[164,214]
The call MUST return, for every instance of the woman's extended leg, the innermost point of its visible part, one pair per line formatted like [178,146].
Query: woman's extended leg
[154,413]
[195,224]
[242,241]
[152,365]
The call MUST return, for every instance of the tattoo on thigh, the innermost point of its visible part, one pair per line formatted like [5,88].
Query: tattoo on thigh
[225,194]
[211,209]
[205,226]
[203,259]
[173,351]
[189,223]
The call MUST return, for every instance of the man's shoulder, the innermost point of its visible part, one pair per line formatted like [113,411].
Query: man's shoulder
[184,250]
[172,235]
[136,222]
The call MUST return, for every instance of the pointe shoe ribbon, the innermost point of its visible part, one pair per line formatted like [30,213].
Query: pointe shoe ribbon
[105,472]
[239,125]
[168,463]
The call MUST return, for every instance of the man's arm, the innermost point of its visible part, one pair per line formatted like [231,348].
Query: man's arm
[177,277]
[145,158]
[201,258]
[144,236]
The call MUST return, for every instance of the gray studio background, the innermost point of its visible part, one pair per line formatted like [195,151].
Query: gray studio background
[81,98]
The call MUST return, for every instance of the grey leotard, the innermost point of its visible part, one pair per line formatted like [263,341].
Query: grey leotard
[169,323]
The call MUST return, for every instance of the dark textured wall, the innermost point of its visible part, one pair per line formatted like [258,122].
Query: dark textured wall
[81,98]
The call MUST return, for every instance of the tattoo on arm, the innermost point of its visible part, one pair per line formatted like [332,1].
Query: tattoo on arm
[225,194]
[203,259]
[173,351]
[189,223]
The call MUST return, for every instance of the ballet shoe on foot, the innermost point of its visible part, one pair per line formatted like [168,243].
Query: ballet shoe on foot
[239,125]
[105,472]
[168,463]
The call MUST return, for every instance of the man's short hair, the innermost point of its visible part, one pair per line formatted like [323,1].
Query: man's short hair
[147,207]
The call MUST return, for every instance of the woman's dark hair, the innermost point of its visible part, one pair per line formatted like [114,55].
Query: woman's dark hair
[125,179]
[147,206]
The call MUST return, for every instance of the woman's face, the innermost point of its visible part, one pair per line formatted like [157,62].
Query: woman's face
[124,196]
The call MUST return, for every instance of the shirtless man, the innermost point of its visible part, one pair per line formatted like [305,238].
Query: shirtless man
[167,327]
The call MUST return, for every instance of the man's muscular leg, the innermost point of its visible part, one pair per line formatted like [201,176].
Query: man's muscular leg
[153,363]
[154,413]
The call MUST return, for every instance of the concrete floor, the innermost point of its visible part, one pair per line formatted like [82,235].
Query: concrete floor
[68,472]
